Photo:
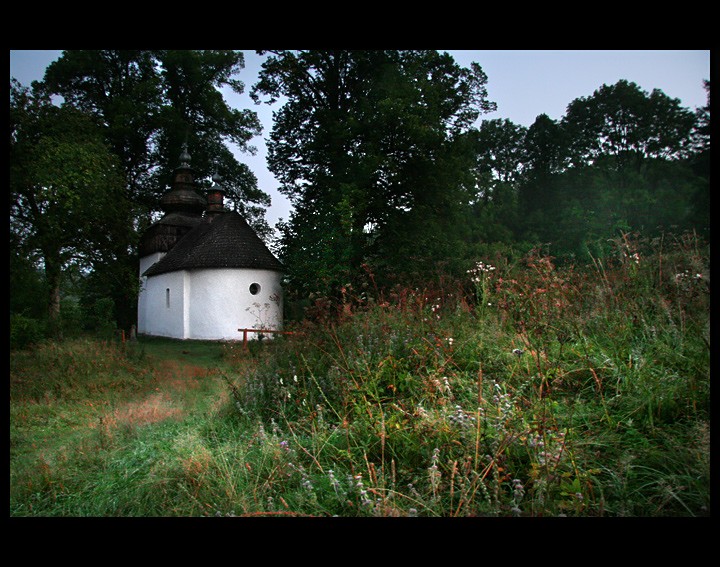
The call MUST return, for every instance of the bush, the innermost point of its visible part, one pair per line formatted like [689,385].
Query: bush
[101,319]
[25,331]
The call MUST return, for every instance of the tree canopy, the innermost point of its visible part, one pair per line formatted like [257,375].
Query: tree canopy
[153,101]
[372,149]
[385,156]
[67,201]
[144,105]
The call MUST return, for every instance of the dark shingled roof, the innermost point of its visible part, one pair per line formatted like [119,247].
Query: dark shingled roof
[227,241]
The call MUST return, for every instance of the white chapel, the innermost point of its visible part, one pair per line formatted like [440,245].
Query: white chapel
[204,272]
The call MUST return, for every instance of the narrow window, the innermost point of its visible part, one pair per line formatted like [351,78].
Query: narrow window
[167,297]
[254,288]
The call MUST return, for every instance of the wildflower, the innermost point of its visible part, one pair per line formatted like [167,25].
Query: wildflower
[433,471]
[334,481]
[365,501]
[518,489]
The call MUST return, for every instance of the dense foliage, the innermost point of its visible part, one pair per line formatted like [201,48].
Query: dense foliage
[389,170]
[142,105]
[373,149]
[384,154]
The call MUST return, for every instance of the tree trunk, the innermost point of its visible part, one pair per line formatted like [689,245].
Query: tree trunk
[52,274]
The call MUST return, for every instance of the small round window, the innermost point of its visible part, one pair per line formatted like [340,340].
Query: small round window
[254,288]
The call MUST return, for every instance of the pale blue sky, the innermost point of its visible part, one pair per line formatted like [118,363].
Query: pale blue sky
[523,83]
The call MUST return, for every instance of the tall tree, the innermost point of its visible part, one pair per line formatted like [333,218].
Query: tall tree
[194,110]
[545,148]
[700,163]
[500,164]
[150,102]
[501,156]
[637,142]
[371,149]
[614,162]
[66,189]
[122,88]
[625,122]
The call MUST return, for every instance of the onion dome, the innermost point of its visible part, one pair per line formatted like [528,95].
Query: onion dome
[183,198]
[183,208]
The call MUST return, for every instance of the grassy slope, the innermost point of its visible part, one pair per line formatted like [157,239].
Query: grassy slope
[559,392]
[83,410]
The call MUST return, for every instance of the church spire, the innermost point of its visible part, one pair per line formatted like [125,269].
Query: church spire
[182,197]
[184,156]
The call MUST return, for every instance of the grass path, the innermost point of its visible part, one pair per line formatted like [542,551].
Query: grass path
[176,381]
[186,379]
[109,427]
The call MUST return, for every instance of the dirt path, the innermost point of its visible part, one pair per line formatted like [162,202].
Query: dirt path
[178,385]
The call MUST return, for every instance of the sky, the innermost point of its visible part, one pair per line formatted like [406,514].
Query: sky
[523,84]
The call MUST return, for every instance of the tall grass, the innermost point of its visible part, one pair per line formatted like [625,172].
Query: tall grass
[526,389]
[544,391]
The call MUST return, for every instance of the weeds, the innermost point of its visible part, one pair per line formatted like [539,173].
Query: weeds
[509,407]
[536,390]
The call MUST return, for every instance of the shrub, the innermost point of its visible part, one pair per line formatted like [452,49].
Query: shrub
[25,331]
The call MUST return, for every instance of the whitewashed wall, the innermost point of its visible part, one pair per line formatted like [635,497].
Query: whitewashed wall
[221,303]
[165,305]
[145,263]
[210,304]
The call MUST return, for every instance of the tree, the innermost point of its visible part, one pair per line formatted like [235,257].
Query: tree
[637,143]
[195,110]
[616,161]
[625,122]
[149,102]
[371,148]
[153,101]
[700,163]
[122,88]
[545,148]
[501,154]
[66,189]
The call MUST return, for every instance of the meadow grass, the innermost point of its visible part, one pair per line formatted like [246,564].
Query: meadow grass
[527,389]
